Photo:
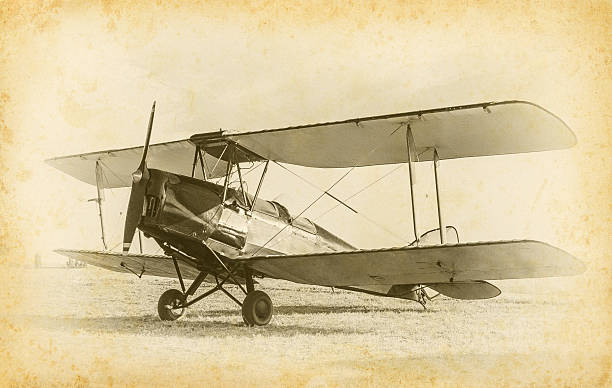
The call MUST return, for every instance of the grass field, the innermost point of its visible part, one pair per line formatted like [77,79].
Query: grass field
[92,327]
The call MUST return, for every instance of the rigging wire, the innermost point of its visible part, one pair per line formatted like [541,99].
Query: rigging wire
[316,187]
[203,160]
[250,168]
[359,191]
[244,181]
[302,212]
[117,176]
[332,186]
[401,238]
[218,160]
[253,169]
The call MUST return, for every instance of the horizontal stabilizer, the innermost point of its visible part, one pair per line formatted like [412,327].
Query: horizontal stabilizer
[466,290]
[422,265]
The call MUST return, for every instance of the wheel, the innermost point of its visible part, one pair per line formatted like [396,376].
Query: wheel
[246,320]
[166,306]
[257,308]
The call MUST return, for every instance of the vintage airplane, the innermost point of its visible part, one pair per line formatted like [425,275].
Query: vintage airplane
[221,234]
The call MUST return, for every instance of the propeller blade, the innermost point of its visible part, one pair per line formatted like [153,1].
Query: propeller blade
[140,177]
[134,211]
[148,138]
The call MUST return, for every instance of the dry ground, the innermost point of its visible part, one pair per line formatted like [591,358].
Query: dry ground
[92,327]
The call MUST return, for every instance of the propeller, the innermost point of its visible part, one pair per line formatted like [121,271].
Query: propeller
[140,177]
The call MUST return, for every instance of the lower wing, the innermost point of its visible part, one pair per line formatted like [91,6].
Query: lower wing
[139,265]
[154,265]
[422,265]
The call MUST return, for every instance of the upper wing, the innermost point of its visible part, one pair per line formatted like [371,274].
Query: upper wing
[456,132]
[146,264]
[422,265]
[118,165]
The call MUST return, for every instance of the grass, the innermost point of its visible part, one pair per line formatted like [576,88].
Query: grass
[89,326]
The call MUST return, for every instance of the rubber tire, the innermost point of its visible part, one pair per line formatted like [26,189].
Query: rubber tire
[257,308]
[172,298]
[245,319]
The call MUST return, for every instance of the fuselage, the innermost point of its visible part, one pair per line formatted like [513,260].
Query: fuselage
[193,216]
[187,213]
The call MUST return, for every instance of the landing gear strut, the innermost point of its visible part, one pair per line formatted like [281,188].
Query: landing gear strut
[420,295]
[257,308]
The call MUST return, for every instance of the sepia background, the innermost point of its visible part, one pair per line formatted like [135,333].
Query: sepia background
[78,78]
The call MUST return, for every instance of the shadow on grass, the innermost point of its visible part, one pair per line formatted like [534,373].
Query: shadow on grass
[185,327]
[203,323]
[306,309]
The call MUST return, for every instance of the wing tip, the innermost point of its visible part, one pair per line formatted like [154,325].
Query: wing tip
[571,265]
[573,140]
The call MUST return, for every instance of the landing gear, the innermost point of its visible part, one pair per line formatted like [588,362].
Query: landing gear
[257,306]
[169,305]
[421,295]
[257,309]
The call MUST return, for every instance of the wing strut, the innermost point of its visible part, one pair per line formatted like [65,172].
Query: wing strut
[197,155]
[263,174]
[436,161]
[228,173]
[411,155]
[99,199]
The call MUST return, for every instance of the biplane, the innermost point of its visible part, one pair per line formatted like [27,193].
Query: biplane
[189,196]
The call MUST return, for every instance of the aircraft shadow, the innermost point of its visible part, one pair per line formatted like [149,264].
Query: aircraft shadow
[201,323]
[194,325]
[310,309]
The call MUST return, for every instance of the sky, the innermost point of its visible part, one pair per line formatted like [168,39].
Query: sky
[80,79]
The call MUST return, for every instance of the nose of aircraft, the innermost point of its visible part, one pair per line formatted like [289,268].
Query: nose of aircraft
[181,205]
[155,193]
[162,202]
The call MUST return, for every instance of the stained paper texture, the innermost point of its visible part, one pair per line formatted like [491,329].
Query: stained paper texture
[78,77]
